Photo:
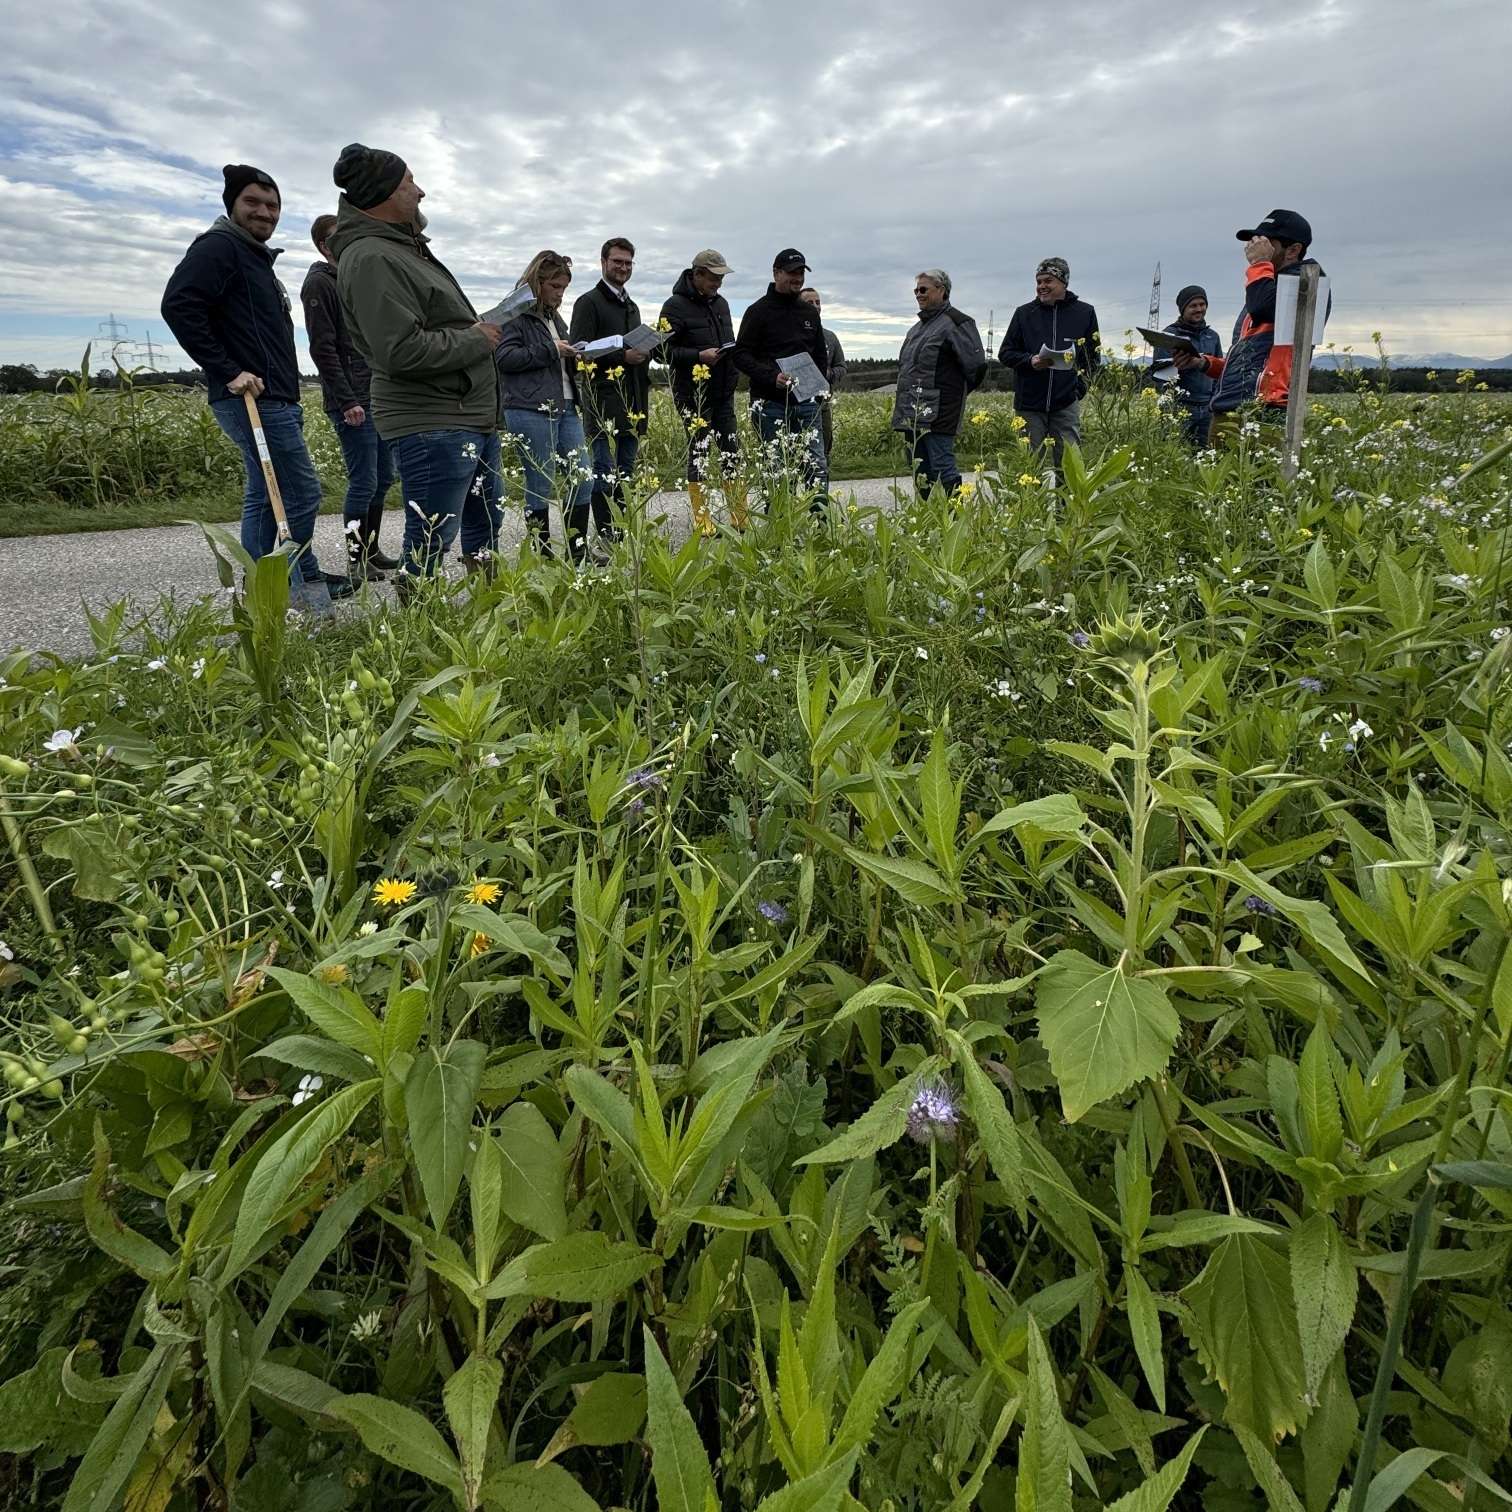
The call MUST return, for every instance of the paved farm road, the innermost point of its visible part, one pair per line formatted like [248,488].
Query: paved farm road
[46,580]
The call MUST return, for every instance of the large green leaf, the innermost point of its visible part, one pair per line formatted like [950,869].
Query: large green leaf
[1044,1464]
[400,1435]
[1243,1324]
[470,1396]
[996,1130]
[337,1012]
[285,1165]
[118,1239]
[532,1488]
[914,881]
[584,1267]
[679,1466]
[610,1411]
[105,1468]
[1104,1030]
[440,1094]
[1325,1285]
[1159,1491]
[535,1171]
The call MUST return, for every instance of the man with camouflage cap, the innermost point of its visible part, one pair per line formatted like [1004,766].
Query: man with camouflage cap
[1047,392]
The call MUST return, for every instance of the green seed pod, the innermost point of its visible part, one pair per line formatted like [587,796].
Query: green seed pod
[30,1083]
[170,917]
[78,1045]
[140,921]
[11,767]
[67,795]
[53,1089]
[15,1073]
[84,780]
[14,1112]
[365,679]
[98,1022]
[62,1030]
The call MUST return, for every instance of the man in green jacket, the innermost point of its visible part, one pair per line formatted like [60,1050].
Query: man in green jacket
[433,395]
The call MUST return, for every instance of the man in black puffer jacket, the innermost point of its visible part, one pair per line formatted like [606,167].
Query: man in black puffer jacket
[698,350]
[229,312]
[1046,393]
[781,324]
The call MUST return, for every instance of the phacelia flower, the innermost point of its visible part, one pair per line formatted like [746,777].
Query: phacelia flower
[933,1114]
[1310,684]
[1258,905]
[645,777]
[773,913]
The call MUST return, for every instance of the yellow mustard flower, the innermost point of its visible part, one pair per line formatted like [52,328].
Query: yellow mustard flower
[1431,375]
[484,892]
[587,367]
[662,325]
[700,372]
[698,423]
[980,417]
[636,416]
[391,892]
[615,372]
[1304,532]
[1019,423]
[1028,480]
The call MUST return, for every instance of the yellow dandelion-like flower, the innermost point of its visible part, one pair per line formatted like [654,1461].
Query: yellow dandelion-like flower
[333,975]
[966,490]
[391,892]
[478,945]
[980,417]
[484,892]
[700,372]
[1304,532]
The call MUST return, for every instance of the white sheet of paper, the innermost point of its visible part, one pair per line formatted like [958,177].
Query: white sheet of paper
[1058,358]
[603,344]
[808,381]
[1287,289]
[1167,374]
[509,306]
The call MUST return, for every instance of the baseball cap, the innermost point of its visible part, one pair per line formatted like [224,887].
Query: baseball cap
[789,259]
[711,262]
[1281,226]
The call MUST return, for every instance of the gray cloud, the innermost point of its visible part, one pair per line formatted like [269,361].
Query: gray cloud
[878,137]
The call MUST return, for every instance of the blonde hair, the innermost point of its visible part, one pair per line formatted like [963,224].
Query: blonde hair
[545,264]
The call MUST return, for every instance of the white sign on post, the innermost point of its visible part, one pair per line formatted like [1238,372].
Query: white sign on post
[1286,309]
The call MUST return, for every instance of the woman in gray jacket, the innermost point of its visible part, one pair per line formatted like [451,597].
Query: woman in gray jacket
[538,405]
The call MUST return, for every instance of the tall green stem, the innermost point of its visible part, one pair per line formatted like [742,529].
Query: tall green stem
[32,882]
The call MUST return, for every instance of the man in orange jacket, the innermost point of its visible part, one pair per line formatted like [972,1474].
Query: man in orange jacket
[1256,369]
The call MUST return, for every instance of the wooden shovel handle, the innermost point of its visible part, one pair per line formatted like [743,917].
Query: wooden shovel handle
[275,498]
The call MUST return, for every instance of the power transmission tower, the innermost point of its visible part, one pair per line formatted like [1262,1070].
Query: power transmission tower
[152,350]
[115,329]
[1155,302]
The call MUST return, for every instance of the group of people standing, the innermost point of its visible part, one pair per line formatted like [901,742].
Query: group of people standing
[415,382]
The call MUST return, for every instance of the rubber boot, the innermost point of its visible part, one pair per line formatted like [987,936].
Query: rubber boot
[703,522]
[735,497]
[376,555]
[538,531]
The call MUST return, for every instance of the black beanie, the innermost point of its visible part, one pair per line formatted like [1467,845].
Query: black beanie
[238,176]
[1188,294]
[367,175]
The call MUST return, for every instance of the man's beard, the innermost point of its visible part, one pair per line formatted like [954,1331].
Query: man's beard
[420,220]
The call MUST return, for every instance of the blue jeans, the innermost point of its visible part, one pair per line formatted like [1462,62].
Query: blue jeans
[370,470]
[283,429]
[776,421]
[546,443]
[934,461]
[613,462]
[449,478]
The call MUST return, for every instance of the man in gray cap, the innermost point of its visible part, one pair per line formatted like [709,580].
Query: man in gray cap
[435,398]
[1048,389]
[229,311]
[1194,388]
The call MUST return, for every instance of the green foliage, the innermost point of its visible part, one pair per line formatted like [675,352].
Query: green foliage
[1003,1002]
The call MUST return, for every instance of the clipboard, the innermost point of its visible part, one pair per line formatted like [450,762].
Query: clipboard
[1167,341]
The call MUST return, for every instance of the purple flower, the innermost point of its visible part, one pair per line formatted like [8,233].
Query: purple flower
[635,806]
[761,658]
[933,1114]
[1262,906]
[1080,638]
[1310,684]
[645,777]
[773,913]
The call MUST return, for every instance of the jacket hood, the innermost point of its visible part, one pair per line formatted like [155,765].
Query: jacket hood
[354,225]
[773,292]
[928,315]
[688,289]
[223,225]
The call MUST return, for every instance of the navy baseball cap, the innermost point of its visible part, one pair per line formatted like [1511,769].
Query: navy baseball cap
[1282,226]
[789,259]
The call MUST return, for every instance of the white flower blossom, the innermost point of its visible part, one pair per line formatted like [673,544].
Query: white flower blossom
[1359,730]
[308,1087]
[63,740]
[6,953]
[921,653]
[367,1326]
[491,759]
[157,664]
[369,928]
[276,880]
[198,669]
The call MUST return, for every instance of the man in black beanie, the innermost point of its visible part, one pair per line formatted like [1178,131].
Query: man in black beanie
[1194,388]
[229,312]
[435,398]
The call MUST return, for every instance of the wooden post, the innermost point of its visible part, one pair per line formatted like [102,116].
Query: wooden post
[1302,349]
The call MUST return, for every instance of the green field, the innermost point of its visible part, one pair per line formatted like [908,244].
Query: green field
[1003,1002]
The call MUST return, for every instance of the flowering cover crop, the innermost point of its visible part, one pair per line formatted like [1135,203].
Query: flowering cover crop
[1002,1002]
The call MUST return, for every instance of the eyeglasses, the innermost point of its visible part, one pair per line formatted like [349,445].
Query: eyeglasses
[920,293]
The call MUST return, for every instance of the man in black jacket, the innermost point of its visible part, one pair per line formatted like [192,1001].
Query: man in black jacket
[698,351]
[1048,390]
[229,312]
[782,324]
[345,384]
[618,394]
[941,362]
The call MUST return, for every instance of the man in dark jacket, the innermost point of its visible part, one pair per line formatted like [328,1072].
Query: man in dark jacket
[836,355]
[344,383]
[618,396]
[228,310]
[1047,390]
[435,399]
[941,362]
[1194,389]
[780,324]
[698,351]
[1256,369]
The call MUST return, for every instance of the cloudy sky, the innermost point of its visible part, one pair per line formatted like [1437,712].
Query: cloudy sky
[877,136]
